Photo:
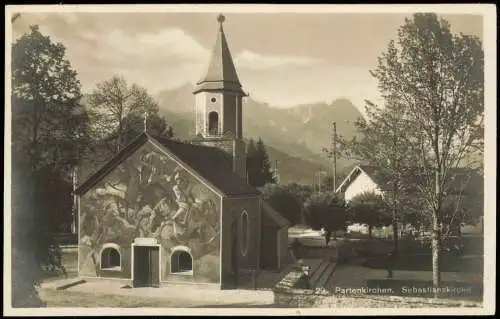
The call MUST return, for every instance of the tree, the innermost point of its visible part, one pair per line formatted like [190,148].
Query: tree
[252,167]
[301,192]
[464,201]
[283,201]
[266,175]
[258,165]
[327,183]
[371,209]
[15,17]
[118,110]
[49,131]
[26,269]
[324,182]
[327,211]
[49,125]
[438,79]
[384,144]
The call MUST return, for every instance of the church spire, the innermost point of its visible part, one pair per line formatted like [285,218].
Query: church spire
[221,73]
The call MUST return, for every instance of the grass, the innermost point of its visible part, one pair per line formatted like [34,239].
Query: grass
[423,262]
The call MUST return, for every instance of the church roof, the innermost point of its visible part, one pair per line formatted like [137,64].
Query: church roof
[461,179]
[211,164]
[274,216]
[221,73]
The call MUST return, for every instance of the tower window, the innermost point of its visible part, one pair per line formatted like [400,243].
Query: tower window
[213,100]
[213,123]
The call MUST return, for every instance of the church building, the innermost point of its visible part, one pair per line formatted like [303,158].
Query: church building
[163,211]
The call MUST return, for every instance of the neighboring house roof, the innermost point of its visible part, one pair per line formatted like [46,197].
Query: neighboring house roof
[274,216]
[221,73]
[211,164]
[466,180]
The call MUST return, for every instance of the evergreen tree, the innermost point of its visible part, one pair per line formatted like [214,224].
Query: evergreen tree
[252,167]
[258,165]
[266,175]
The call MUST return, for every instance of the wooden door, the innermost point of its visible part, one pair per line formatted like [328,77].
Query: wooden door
[154,266]
[141,266]
[146,266]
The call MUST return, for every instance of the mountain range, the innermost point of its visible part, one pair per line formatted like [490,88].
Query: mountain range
[295,136]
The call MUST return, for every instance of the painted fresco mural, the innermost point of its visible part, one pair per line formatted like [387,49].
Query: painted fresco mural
[149,195]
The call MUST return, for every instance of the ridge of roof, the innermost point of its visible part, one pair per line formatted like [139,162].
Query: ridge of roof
[211,164]
[275,215]
[115,160]
[377,175]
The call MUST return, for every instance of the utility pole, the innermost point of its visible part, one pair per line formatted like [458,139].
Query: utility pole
[145,121]
[75,201]
[276,172]
[319,180]
[334,155]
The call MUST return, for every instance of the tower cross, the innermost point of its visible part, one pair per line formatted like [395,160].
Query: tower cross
[221,18]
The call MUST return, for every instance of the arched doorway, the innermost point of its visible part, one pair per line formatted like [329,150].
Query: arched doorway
[110,258]
[181,262]
[213,123]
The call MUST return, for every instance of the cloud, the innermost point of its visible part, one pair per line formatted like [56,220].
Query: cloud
[160,58]
[255,61]
[165,44]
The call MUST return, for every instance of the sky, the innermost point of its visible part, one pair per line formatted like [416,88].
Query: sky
[283,59]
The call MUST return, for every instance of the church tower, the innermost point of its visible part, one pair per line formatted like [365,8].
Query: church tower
[218,104]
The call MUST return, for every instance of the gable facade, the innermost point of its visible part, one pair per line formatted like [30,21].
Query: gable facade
[150,195]
[361,184]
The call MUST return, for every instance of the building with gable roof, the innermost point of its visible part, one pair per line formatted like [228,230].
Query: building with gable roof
[465,188]
[162,211]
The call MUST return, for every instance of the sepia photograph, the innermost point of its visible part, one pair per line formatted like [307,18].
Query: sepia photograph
[250,159]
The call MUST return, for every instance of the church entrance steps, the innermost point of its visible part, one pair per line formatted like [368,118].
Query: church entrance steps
[268,279]
[319,274]
[323,281]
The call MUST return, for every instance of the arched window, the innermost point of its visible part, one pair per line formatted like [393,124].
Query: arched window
[181,261]
[245,233]
[213,123]
[110,257]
